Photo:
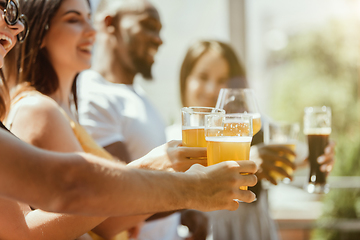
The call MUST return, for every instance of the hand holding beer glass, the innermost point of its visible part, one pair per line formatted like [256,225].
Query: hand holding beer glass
[280,139]
[317,128]
[240,100]
[228,138]
[193,125]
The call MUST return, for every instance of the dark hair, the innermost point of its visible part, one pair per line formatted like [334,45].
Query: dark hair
[197,50]
[36,70]
[10,67]
[8,72]
[4,97]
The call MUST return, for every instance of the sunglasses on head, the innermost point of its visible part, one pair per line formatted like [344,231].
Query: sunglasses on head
[12,15]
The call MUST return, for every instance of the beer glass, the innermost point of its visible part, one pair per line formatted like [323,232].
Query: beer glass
[317,128]
[193,125]
[228,137]
[240,100]
[282,134]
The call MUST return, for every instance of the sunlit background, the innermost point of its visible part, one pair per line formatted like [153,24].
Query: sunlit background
[298,53]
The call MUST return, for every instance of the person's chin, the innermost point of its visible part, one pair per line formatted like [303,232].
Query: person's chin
[84,65]
[145,71]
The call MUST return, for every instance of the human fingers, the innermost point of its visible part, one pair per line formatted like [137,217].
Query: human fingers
[272,158]
[327,160]
[174,143]
[182,166]
[269,168]
[326,168]
[196,167]
[221,182]
[329,153]
[192,152]
[182,153]
[244,196]
[280,149]
[330,147]
[247,166]
[247,180]
[265,175]
[240,196]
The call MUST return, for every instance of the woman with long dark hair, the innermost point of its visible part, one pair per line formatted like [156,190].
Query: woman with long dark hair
[57,49]
[82,183]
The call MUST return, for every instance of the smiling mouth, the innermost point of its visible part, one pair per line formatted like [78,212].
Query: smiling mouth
[5,41]
[86,49]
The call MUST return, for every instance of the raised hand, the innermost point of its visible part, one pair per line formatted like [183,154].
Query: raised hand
[268,158]
[327,160]
[172,156]
[218,185]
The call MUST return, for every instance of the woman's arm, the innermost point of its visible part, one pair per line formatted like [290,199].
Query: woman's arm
[17,221]
[40,122]
[113,225]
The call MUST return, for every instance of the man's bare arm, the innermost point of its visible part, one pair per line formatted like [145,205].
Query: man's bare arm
[84,184]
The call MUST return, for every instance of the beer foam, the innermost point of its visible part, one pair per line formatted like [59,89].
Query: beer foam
[255,115]
[229,139]
[192,127]
[235,121]
[317,131]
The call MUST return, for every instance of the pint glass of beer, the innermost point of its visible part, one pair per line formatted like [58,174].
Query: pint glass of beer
[317,128]
[282,134]
[240,100]
[193,125]
[228,137]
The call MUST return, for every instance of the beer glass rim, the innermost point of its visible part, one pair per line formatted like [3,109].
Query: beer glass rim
[227,118]
[211,110]
[239,115]
[237,89]
[229,115]
[232,115]
[317,109]
[295,127]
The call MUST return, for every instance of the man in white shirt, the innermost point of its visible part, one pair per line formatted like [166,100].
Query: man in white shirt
[114,111]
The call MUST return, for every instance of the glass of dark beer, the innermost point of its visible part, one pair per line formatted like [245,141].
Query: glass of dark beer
[317,128]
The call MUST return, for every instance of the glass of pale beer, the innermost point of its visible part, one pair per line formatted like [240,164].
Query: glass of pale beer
[317,128]
[282,134]
[228,137]
[193,125]
[240,100]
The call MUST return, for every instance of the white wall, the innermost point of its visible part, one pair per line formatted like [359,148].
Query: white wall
[187,20]
[183,22]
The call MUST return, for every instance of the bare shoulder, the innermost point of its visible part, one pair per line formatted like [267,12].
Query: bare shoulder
[38,111]
[38,104]
[40,122]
